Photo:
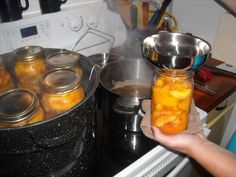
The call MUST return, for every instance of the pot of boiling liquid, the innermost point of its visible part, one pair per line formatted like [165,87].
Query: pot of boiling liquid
[125,84]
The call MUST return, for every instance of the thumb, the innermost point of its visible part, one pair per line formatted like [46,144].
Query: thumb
[158,135]
[167,140]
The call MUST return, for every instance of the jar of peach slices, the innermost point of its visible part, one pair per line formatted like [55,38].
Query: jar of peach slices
[172,92]
[62,90]
[29,65]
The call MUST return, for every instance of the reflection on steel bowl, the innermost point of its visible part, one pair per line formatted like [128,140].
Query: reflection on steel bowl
[175,50]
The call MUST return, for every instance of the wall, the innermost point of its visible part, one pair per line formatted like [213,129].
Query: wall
[224,47]
[199,17]
[34,8]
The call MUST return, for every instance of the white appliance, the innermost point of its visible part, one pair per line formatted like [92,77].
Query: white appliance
[89,28]
[63,29]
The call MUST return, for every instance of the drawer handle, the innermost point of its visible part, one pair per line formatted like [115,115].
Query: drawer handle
[219,108]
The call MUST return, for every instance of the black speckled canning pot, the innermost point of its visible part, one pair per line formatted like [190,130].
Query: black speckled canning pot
[62,146]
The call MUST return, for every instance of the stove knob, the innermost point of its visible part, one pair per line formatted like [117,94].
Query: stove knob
[75,23]
[93,21]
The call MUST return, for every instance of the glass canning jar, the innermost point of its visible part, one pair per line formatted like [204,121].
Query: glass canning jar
[6,82]
[66,59]
[29,65]
[62,90]
[172,92]
[25,110]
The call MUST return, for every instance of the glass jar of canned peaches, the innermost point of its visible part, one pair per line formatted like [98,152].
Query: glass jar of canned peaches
[61,90]
[6,82]
[19,107]
[29,65]
[172,92]
[64,59]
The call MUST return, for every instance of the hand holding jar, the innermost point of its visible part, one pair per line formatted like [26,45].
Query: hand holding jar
[171,100]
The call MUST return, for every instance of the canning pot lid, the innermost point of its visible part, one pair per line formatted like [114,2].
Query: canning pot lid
[28,53]
[17,105]
[60,80]
[62,60]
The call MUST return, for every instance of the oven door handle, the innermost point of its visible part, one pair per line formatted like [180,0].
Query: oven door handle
[179,167]
[125,109]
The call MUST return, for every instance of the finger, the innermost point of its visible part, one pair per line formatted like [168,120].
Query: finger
[159,136]
[168,140]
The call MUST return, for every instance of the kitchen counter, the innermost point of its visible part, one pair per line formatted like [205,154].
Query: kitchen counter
[223,85]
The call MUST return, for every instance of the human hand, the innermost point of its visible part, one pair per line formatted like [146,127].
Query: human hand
[183,142]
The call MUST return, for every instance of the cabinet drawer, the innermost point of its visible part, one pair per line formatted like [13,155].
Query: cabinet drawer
[222,108]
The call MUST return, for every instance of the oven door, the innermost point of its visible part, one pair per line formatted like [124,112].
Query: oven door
[160,162]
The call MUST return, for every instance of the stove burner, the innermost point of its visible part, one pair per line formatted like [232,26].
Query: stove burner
[118,149]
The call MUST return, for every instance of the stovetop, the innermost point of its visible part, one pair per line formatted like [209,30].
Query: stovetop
[117,149]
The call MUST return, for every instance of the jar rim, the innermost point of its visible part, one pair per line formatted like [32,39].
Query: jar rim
[177,72]
[28,53]
[63,59]
[25,104]
[61,80]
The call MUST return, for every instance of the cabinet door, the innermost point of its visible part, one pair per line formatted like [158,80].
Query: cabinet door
[219,122]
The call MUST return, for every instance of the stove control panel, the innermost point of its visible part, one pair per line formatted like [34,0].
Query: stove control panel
[75,23]
[26,34]
[63,29]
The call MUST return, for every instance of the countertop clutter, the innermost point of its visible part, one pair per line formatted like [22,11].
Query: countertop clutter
[223,85]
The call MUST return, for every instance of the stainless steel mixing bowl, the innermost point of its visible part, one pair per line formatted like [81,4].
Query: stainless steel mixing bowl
[175,50]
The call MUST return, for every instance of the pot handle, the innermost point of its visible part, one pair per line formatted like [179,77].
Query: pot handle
[120,108]
[26,5]
[55,141]
[92,70]
[63,1]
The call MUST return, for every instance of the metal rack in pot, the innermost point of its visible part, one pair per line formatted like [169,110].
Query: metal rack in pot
[105,39]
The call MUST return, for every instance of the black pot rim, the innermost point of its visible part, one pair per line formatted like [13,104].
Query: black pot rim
[87,96]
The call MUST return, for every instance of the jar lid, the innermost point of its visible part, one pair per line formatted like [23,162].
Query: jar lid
[63,60]
[60,80]
[25,103]
[28,53]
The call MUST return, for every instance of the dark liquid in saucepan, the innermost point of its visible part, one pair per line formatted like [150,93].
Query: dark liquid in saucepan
[133,90]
